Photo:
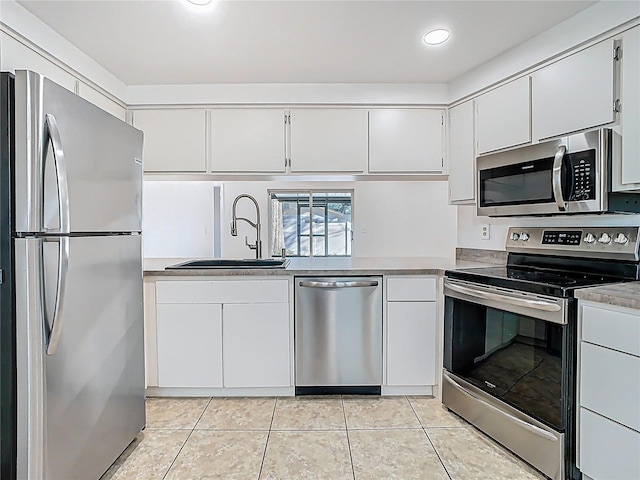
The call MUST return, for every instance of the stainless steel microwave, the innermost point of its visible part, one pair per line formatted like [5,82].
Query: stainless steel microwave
[564,176]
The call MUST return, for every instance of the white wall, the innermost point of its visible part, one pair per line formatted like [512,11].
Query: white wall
[289,94]
[396,219]
[598,19]
[23,25]
[178,219]
[470,225]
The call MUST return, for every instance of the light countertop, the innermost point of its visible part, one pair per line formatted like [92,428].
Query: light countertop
[322,266]
[620,294]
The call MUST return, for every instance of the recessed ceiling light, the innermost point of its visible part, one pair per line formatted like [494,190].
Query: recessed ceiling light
[199,7]
[436,37]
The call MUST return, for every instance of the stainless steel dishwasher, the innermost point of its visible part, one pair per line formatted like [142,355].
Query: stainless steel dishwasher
[338,335]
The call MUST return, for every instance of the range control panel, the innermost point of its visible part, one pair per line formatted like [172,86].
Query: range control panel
[570,237]
[621,243]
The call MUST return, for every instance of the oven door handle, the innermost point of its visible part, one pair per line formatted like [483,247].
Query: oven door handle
[520,302]
[532,428]
[557,178]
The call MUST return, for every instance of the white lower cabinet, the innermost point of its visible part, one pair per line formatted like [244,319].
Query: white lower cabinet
[609,392]
[410,335]
[255,345]
[411,343]
[221,335]
[609,450]
[189,345]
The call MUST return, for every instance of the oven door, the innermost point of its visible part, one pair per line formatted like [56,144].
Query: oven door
[505,357]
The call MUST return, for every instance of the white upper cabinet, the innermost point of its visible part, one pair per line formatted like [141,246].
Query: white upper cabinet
[503,118]
[574,93]
[627,175]
[92,95]
[248,140]
[328,140]
[462,172]
[174,140]
[17,56]
[406,140]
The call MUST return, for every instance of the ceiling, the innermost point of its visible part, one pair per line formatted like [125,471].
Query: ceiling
[165,42]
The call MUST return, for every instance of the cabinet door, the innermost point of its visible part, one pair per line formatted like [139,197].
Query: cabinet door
[574,93]
[608,450]
[502,117]
[411,343]
[17,56]
[328,140]
[100,100]
[406,140]
[174,140]
[462,171]
[189,345]
[256,345]
[630,112]
[248,140]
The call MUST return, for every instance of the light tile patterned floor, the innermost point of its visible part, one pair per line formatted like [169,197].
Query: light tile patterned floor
[328,438]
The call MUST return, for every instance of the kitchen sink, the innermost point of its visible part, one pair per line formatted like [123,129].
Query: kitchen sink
[230,263]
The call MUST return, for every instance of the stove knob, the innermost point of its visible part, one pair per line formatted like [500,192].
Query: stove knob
[589,238]
[605,238]
[621,239]
[515,236]
[524,236]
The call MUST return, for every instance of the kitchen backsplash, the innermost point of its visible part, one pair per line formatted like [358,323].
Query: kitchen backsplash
[391,218]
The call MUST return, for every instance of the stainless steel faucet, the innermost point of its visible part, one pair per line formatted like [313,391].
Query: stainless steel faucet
[234,224]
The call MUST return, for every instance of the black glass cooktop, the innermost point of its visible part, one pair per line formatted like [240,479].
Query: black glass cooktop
[558,283]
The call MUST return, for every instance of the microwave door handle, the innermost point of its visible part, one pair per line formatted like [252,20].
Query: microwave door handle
[557,178]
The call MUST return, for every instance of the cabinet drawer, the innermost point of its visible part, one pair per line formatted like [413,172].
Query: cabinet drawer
[608,450]
[610,384]
[184,292]
[220,291]
[613,329]
[411,289]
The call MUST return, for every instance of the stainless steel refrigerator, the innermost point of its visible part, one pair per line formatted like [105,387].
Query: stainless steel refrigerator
[71,329]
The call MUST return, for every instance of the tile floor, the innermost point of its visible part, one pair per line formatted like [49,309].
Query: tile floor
[328,438]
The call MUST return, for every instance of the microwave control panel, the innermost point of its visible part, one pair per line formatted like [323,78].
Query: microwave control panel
[583,165]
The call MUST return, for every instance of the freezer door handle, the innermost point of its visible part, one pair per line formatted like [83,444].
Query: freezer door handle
[63,268]
[52,132]
[313,284]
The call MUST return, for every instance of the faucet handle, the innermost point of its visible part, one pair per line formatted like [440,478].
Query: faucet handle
[250,245]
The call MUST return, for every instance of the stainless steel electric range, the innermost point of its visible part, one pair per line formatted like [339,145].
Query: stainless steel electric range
[510,337]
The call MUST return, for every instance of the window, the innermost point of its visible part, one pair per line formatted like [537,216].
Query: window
[310,223]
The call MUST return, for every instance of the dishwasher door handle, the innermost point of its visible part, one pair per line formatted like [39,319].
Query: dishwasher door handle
[312,284]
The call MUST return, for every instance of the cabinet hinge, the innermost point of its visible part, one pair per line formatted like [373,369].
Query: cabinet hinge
[442,118]
[442,163]
[617,52]
[617,105]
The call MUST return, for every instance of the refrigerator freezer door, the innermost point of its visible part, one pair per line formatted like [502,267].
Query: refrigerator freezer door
[63,139]
[91,390]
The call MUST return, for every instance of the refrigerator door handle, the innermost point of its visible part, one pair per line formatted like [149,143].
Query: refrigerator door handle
[63,268]
[51,130]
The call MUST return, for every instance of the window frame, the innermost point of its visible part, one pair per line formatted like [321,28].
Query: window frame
[311,192]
